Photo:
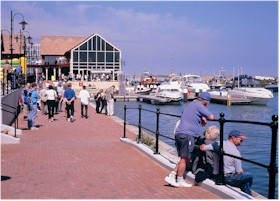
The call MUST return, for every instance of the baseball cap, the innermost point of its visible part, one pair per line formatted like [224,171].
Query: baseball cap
[235,133]
[205,96]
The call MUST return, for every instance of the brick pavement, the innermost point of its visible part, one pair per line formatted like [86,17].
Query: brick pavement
[83,160]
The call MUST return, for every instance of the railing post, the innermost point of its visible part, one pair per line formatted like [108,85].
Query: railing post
[15,122]
[272,167]
[124,122]
[221,178]
[157,131]
[139,125]
[18,112]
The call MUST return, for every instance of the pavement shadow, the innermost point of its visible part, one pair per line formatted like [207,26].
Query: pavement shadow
[4,178]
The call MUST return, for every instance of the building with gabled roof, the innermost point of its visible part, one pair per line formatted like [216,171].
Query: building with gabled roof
[79,57]
[95,56]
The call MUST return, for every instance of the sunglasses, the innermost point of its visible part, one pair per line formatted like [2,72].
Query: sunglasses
[240,139]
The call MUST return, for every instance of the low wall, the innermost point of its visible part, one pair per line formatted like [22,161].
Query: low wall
[12,100]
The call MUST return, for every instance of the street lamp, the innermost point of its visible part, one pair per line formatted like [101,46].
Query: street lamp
[3,83]
[23,24]
[29,38]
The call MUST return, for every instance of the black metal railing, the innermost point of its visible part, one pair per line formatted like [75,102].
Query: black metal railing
[16,111]
[13,83]
[272,168]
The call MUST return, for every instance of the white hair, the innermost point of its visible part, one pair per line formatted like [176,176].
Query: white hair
[212,132]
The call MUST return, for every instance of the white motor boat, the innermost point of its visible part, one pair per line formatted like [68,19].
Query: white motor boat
[141,89]
[194,83]
[249,88]
[169,91]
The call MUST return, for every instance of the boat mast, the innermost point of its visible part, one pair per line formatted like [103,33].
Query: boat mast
[238,76]
[171,65]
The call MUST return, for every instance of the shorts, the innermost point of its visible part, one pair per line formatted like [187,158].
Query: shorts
[184,144]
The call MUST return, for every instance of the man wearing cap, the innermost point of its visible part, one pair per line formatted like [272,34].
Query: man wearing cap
[234,174]
[194,116]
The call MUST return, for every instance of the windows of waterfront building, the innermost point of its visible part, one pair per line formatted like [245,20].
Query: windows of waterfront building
[95,56]
[33,53]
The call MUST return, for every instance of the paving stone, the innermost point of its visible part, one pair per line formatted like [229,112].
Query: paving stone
[83,160]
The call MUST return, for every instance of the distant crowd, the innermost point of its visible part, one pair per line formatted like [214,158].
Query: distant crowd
[52,99]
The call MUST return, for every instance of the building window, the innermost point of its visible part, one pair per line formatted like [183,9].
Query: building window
[98,43]
[75,56]
[90,45]
[117,57]
[100,56]
[92,57]
[94,43]
[83,46]
[83,56]
[109,47]
[109,56]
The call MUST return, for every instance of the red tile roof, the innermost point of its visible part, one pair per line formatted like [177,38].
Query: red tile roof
[16,45]
[58,45]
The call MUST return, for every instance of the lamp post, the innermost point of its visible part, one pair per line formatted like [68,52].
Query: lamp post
[29,38]
[3,83]
[22,23]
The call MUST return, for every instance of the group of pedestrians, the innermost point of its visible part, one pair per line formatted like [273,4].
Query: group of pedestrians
[105,100]
[201,154]
[51,99]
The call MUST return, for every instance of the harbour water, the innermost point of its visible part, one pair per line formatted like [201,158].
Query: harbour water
[256,147]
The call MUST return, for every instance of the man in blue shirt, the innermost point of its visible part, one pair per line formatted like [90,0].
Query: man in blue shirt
[32,113]
[70,96]
[194,116]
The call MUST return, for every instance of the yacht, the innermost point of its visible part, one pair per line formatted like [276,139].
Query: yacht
[249,88]
[169,91]
[194,83]
[141,89]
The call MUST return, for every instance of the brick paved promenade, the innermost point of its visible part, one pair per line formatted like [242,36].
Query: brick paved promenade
[83,160]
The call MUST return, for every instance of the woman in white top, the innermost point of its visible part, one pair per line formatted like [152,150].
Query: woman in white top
[51,96]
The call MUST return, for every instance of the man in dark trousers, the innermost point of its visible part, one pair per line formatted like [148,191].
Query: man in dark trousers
[70,96]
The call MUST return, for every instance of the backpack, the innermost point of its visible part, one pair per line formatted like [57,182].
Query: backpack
[204,164]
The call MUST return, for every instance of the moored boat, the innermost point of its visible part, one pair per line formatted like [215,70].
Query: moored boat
[169,91]
[272,87]
[194,83]
[249,88]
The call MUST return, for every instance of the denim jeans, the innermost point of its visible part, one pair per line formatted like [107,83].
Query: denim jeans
[243,181]
[31,116]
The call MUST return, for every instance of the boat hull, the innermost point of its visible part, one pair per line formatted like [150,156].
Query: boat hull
[257,96]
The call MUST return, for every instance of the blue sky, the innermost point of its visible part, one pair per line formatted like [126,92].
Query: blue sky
[192,37]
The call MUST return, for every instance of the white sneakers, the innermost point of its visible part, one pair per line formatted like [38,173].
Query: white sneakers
[71,119]
[33,128]
[183,183]
[171,179]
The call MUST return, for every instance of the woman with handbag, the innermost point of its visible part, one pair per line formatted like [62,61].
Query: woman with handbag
[51,97]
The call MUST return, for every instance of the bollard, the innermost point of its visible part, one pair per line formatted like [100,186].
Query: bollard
[124,122]
[272,167]
[139,125]
[228,100]
[157,130]
[221,178]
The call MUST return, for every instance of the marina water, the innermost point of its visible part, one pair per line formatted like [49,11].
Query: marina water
[256,147]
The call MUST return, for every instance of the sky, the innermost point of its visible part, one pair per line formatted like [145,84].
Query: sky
[165,36]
